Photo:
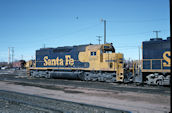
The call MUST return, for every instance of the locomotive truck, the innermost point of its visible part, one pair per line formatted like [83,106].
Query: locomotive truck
[99,62]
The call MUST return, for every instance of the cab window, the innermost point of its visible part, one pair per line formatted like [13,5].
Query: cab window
[93,53]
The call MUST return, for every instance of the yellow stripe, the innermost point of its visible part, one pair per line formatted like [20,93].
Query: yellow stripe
[158,70]
[55,68]
[152,59]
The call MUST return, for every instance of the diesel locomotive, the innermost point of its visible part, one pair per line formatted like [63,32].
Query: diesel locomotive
[156,61]
[85,62]
[100,62]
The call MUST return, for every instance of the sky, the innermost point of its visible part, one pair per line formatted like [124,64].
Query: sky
[28,25]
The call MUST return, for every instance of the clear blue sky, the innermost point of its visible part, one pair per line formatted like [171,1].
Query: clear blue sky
[27,25]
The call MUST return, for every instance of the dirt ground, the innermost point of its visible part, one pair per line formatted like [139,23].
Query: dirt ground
[137,100]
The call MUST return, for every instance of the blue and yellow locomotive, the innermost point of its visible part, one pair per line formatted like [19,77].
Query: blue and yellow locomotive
[156,61]
[85,62]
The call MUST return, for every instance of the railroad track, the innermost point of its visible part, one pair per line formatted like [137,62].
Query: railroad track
[41,82]
[72,90]
[47,105]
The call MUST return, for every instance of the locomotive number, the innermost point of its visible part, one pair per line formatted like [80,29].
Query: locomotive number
[166,57]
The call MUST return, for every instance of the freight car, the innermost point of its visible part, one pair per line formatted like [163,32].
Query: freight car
[19,64]
[85,62]
[156,61]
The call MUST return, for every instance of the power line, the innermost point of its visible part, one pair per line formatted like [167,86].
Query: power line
[125,46]
[138,21]
[139,33]
[80,30]
[130,34]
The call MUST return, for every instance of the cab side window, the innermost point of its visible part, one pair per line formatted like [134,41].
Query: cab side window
[93,53]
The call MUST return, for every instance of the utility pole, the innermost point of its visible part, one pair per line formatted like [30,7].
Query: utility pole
[9,56]
[156,33]
[139,61]
[104,30]
[139,55]
[99,39]
[21,57]
[12,54]
[12,60]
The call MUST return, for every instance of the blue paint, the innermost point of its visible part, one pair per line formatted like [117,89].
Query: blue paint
[61,52]
[154,49]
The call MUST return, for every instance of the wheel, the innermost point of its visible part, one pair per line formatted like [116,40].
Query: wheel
[159,82]
[87,77]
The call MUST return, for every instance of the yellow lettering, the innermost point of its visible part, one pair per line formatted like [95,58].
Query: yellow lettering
[54,62]
[45,60]
[167,59]
[71,61]
[57,61]
[61,62]
[49,62]
[67,60]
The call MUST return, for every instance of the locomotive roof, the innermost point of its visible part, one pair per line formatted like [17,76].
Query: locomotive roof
[90,47]
[94,47]
[67,47]
[155,40]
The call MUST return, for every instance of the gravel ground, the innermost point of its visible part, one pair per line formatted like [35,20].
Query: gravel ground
[128,97]
[13,107]
[12,102]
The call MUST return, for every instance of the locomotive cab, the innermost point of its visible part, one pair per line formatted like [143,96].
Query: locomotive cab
[103,58]
[113,60]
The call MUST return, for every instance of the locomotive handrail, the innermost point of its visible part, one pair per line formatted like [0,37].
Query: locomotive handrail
[151,62]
